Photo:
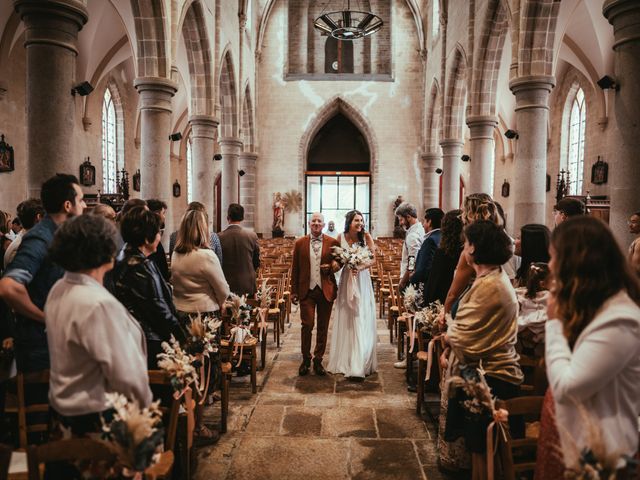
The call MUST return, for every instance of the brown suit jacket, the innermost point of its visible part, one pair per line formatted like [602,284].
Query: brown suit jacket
[240,259]
[301,268]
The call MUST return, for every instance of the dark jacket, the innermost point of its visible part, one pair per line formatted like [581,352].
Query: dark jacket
[241,259]
[424,259]
[139,286]
[441,276]
[159,257]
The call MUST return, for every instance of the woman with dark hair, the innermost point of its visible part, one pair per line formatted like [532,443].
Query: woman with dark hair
[484,331]
[354,338]
[592,343]
[140,287]
[96,347]
[445,258]
[533,248]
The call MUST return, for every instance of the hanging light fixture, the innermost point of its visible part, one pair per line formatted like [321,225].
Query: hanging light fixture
[347,24]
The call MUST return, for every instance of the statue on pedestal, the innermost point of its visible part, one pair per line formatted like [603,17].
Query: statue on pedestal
[277,228]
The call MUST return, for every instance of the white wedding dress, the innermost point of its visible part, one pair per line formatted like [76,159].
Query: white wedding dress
[354,334]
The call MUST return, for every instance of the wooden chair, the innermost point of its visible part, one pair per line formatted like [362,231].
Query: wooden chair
[170,414]
[67,451]
[249,350]
[224,394]
[422,357]
[518,456]
[27,421]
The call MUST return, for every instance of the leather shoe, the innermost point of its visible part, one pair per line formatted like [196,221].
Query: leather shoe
[304,368]
[319,369]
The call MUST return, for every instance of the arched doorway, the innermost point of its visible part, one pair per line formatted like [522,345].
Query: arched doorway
[338,174]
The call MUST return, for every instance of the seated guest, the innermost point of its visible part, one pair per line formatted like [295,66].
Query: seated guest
[533,310]
[532,247]
[30,212]
[96,346]
[214,240]
[128,205]
[106,211]
[159,257]
[199,285]
[484,331]
[567,208]
[445,258]
[430,243]
[140,287]
[593,340]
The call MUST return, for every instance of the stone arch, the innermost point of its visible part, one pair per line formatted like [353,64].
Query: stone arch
[483,94]
[118,104]
[433,119]
[227,97]
[151,38]
[196,42]
[247,136]
[454,101]
[534,40]
[335,105]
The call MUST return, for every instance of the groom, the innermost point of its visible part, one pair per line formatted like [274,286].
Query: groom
[314,285]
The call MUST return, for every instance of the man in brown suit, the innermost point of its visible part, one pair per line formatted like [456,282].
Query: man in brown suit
[240,253]
[313,283]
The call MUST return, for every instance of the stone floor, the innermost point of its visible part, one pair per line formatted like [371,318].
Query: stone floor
[322,427]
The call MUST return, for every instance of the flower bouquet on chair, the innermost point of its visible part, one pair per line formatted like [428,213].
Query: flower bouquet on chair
[264,298]
[135,434]
[203,344]
[240,333]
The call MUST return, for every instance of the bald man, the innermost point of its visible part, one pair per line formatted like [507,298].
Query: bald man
[313,283]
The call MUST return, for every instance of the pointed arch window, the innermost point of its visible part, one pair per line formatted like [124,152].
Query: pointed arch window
[575,153]
[435,18]
[189,172]
[109,162]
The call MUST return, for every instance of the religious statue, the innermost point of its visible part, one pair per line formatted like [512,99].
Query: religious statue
[398,231]
[278,215]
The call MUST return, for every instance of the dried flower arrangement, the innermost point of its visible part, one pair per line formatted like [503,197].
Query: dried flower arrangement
[264,298]
[355,257]
[203,335]
[412,298]
[427,318]
[135,434]
[178,365]
[241,321]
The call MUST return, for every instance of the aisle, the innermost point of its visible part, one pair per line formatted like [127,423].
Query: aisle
[322,427]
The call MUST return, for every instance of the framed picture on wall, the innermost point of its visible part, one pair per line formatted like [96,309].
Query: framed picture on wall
[6,156]
[599,172]
[87,173]
[136,180]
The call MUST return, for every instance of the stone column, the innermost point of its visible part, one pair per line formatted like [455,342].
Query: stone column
[155,125]
[203,131]
[532,111]
[451,152]
[230,149]
[51,37]
[624,139]
[482,153]
[430,179]
[247,161]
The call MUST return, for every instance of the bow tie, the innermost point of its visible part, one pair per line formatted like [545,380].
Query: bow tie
[316,239]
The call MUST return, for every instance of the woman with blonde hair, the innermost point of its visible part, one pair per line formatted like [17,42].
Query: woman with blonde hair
[199,285]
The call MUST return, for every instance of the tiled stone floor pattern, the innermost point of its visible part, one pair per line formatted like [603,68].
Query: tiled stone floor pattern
[322,427]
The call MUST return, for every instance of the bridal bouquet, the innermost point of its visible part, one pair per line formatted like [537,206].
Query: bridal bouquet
[135,434]
[355,257]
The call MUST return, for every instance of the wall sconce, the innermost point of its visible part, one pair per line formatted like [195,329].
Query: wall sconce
[83,89]
[175,137]
[511,134]
[439,171]
[241,173]
[465,158]
[176,189]
[217,157]
[608,82]
[506,188]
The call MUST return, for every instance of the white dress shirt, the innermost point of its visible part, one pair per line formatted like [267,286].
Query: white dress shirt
[314,263]
[96,347]
[601,374]
[411,246]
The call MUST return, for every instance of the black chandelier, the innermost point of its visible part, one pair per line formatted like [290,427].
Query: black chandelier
[347,24]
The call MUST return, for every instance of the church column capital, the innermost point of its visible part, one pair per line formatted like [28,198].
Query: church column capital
[481,126]
[248,156]
[230,146]
[155,92]
[532,91]
[430,157]
[624,15]
[451,143]
[52,22]
[203,126]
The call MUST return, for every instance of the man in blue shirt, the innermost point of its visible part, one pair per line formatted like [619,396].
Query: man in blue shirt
[29,277]
[431,242]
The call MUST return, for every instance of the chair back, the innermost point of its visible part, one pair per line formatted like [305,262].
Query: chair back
[67,451]
[169,413]
[28,423]
[518,455]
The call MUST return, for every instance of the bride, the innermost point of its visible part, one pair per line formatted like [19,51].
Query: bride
[354,334]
